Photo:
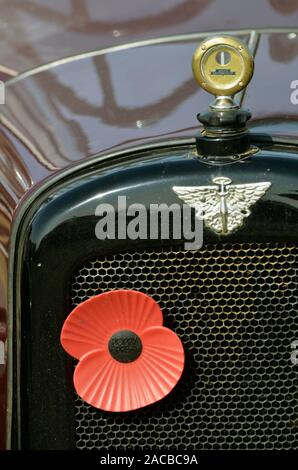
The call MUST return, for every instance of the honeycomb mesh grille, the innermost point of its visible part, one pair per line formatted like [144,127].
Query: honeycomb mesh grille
[235,310]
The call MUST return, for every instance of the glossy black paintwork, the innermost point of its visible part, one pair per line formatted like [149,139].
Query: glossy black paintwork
[61,235]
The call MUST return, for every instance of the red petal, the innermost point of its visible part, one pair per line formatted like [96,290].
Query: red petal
[113,386]
[91,324]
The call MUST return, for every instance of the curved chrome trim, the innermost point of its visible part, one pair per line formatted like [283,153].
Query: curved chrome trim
[146,42]
[253,45]
[8,70]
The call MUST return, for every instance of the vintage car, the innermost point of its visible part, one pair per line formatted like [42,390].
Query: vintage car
[133,341]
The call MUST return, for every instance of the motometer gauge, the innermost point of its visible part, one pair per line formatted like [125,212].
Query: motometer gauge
[222,65]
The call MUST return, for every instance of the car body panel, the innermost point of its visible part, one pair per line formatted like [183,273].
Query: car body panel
[132,97]
[111,101]
[36,32]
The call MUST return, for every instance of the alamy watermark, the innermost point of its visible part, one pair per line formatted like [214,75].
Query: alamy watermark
[156,222]
[2,92]
[2,353]
[294,93]
[294,354]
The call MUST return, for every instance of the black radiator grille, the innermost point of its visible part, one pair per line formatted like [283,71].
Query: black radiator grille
[235,309]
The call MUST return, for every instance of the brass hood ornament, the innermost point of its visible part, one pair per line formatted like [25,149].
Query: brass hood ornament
[223,66]
[223,206]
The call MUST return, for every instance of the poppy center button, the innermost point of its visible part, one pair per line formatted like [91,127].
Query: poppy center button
[125,346]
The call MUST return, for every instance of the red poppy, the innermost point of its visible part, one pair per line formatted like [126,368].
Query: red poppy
[128,360]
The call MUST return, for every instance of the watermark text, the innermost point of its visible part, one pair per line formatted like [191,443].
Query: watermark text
[156,222]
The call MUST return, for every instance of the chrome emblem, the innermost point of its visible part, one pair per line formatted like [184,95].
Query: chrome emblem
[224,206]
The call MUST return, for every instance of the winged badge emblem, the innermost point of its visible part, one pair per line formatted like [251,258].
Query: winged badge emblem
[223,206]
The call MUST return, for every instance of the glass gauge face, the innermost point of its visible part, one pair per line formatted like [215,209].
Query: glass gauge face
[223,65]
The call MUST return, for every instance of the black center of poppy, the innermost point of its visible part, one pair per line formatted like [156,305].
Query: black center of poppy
[125,346]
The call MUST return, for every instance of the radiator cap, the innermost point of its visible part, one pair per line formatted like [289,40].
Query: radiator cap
[223,66]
